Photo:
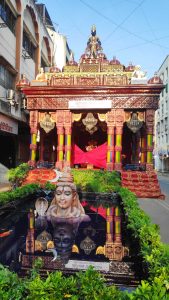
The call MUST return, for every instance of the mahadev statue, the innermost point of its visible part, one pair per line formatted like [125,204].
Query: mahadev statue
[65,203]
[94,43]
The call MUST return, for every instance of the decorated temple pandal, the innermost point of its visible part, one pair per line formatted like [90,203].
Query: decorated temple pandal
[96,100]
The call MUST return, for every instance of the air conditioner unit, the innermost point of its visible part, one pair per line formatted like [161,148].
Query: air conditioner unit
[10,94]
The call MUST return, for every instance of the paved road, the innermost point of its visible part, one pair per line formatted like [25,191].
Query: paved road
[158,210]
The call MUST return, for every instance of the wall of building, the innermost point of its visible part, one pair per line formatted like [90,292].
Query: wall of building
[162,122]
[25,45]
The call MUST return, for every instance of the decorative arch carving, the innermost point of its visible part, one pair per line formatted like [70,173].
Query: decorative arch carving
[32,13]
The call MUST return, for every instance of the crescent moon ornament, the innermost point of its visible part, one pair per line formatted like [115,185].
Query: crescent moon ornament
[58,175]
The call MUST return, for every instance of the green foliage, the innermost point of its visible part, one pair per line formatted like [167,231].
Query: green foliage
[157,290]
[49,186]
[96,181]
[11,287]
[18,193]
[18,174]
[84,285]
[88,285]
[92,286]
[154,252]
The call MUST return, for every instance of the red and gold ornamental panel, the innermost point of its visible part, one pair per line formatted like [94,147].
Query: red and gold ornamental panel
[99,87]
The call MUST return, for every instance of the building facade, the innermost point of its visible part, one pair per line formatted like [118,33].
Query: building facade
[25,46]
[161,153]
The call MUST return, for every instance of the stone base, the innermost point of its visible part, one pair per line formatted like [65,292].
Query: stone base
[32,163]
[118,166]
[149,167]
[59,165]
[110,166]
[66,164]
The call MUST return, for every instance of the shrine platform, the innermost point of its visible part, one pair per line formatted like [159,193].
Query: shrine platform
[143,183]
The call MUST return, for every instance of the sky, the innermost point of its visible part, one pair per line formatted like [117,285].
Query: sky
[135,31]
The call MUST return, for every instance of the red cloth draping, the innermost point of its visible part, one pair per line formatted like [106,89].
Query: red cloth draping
[96,157]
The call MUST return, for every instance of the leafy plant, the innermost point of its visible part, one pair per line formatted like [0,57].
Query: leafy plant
[18,193]
[96,181]
[18,174]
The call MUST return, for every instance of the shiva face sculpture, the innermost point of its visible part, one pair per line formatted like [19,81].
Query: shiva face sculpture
[66,202]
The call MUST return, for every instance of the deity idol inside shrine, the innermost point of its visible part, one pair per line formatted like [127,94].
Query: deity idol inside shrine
[97,113]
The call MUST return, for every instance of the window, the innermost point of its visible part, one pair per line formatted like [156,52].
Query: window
[28,45]
[166,124]
[7,15]
[162,108]
[162,93]
[43,63]
[7,79]
[162,76]
[166,105]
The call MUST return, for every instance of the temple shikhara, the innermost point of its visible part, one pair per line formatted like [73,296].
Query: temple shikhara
[97,113]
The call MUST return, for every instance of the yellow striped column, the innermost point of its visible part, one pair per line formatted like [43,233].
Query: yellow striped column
[143,149]
[110,148]
[33,122]
[118,148]
[33,147]
[149,164]
[117,224]
[68,136]
[109,224]
[60,147]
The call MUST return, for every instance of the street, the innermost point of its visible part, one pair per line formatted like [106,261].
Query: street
[158,209]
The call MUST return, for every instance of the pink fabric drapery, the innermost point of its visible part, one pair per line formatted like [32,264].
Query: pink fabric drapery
[96,157]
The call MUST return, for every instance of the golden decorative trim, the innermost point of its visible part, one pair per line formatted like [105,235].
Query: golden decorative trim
[102,117]
[76,117]
[47,123]
[75,249]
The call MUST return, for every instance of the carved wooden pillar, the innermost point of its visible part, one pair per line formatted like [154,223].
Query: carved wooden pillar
[60,147]
[149,165]
[118,148]
[143,149]
[67,159]
[33,145]
[117,222]
[110,148]
[68,138]
[110,118]
[149,132]
[30,238]
[60,139]
[109,224]
[119,120]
